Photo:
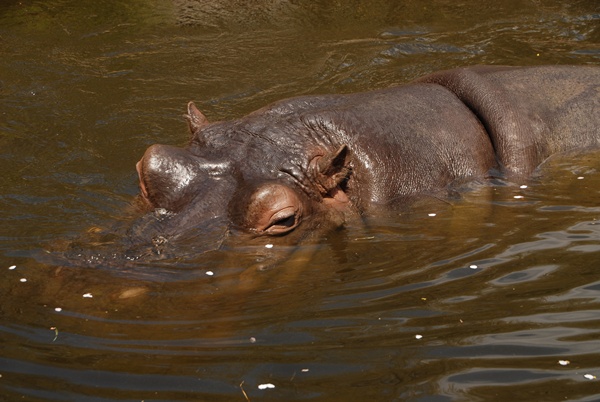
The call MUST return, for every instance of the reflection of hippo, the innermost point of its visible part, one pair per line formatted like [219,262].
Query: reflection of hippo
[311,162]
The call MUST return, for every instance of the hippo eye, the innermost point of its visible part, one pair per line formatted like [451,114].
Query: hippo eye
[282,222]
[274,209]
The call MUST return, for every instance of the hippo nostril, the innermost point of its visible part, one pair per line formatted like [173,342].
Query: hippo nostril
[138,167]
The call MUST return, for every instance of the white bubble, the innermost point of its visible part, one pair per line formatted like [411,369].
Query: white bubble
[12,267]
[419,336]
[580,178]
[23,280]
[473,266]
[210,273]
[564,362]
[518,196]
[523,186]
[432,214]
[269,245]
[590,376]
[265,386]
[88,295]
[58,309]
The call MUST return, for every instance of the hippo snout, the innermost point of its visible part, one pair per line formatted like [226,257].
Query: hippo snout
[165,175]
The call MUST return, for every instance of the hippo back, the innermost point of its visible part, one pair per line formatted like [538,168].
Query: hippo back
[530,113]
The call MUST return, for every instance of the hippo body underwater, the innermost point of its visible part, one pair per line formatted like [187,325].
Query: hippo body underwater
[310,163]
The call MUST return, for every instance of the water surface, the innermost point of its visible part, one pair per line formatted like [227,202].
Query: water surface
[495,297]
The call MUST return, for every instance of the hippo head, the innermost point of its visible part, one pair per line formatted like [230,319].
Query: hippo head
[247,178]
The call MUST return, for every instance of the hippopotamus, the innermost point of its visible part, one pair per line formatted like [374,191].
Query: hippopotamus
[309,164]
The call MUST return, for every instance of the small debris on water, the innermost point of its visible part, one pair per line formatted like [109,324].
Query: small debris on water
[58,309]
[132,292]
[432,214]
[269,245]
[12,267]
[252,339]
[590,376]
[419,336]
[88,295]
[243,392]
[364,238]
[266,386]
[564,362]
[55,333]
[473,266]
[210,273]
[23,280]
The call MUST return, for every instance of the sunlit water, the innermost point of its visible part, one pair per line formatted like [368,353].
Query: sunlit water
[493,295]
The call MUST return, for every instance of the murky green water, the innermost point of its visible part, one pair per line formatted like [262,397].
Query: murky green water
[482,301]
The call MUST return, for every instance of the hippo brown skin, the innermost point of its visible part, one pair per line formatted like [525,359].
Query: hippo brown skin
[312,162]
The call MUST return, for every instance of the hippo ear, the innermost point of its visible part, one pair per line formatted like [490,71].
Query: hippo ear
[196,120]
[332,169]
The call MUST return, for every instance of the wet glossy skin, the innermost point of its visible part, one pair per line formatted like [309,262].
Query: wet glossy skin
[312,163]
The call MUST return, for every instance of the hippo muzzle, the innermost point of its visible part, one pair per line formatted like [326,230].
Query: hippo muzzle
[171,177]
[188,194]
